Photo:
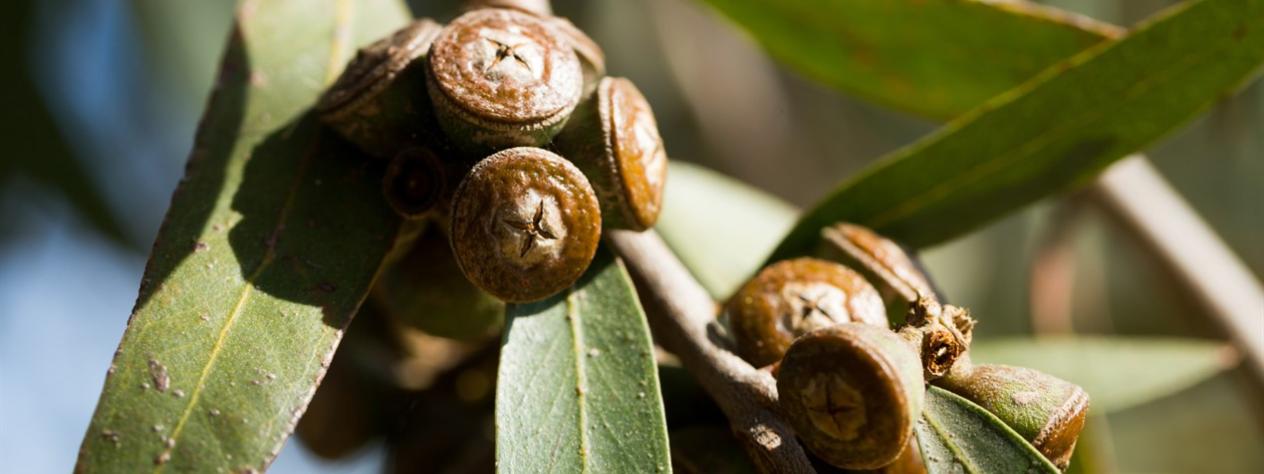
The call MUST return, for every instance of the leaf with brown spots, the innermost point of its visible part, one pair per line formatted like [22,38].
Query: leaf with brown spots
[271,242]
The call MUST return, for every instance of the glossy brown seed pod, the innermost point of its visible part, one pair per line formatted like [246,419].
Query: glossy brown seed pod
[525,224]
[883,262]
[852,392]
[416,182]
[380,101]
[790,298]
[426,290]
[1047,411]
[501,78]
[614,139]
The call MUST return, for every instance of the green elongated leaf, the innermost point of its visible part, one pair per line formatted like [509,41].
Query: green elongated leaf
[1152,367]
[958,436]
[271,242]
[1054,132]
[720,227]
[577,389]
[936,58]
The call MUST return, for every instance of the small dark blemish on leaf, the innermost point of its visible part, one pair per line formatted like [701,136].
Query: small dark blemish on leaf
[158,373]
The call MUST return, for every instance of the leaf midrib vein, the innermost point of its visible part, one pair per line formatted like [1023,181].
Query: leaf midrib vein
[345,10]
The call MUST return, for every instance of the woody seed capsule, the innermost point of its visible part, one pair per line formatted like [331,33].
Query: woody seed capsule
[792,297]
[525,224]
[502,78]
[380,103]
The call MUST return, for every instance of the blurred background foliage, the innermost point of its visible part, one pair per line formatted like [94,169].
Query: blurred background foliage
[103,98]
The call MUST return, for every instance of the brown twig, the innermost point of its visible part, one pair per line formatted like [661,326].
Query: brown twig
[1150,210]
[679,310]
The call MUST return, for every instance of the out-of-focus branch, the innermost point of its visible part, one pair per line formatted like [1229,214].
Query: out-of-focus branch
[539,7]
[679,310]
[1154,213]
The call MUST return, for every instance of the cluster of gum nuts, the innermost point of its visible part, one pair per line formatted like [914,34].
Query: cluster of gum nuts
[851,386]
[517,106]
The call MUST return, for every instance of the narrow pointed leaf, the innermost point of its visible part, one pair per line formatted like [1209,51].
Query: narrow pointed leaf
[1054,132]
[936,58]
[957,436]
[270,244]
[577,389]
[1153,367]
[721,241]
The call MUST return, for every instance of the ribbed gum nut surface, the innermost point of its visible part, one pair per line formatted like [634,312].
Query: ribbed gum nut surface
[525,224]
[792,297]
[852,393]
[639,159]
[506,66]
[375,65]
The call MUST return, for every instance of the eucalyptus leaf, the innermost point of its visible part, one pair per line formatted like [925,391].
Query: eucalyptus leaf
[956,436]
[577,388]
[1055,131]
[720,227]
[271,242]
[1153,367]
[936,58]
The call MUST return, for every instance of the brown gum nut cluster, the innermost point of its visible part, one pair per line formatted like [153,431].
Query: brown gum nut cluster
[792,297]
[505,75]
[525,224]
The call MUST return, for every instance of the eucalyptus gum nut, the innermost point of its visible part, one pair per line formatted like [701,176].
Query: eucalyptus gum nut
[883,262]
[525,224]
[790,298]
[425,290]
[1047,411]
[502,78]
[416,182]
[380,101]
[614,139]
[853,393]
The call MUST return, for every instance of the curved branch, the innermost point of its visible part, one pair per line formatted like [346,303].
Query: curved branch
[679,310]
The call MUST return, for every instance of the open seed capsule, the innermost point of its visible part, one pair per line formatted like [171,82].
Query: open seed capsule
[614,139]
[416,182]
[525,224]
[380,102]
[1046,410]
[852,392]
[502,78]
[792,297]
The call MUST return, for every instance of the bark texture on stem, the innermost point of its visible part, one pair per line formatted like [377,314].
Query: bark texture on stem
[679,310]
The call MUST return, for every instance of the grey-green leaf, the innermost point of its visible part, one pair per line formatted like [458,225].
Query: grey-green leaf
[720,227]
[958,436]
[270,244]
[577,389]
[932,57]
[1055,131]
[1153,367]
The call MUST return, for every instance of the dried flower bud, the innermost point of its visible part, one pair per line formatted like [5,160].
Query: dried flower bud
[880,260]
[614,139]
[380,102]
[1047,411]
[501,78]
[931,328]
[852,392]
[792,297]
[525,224]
